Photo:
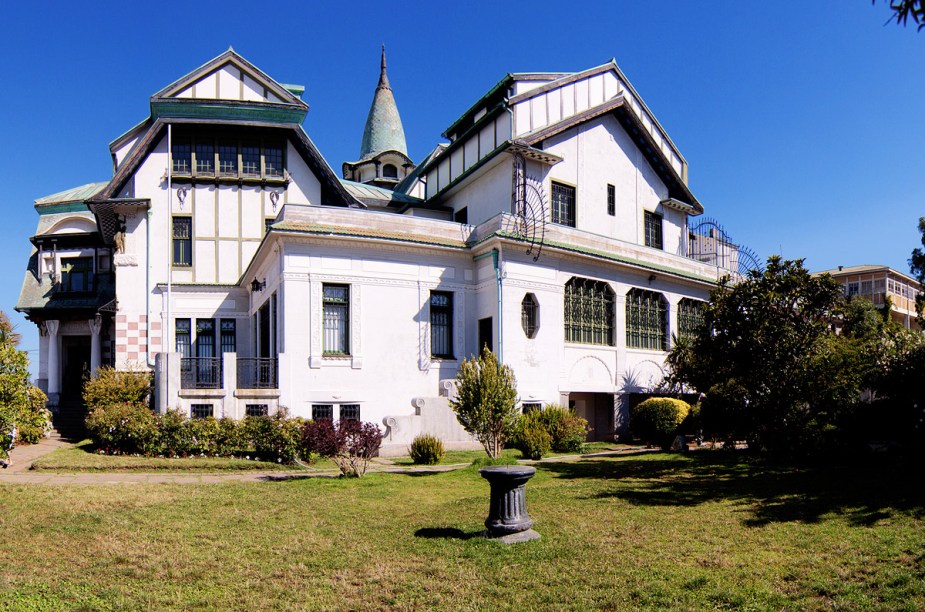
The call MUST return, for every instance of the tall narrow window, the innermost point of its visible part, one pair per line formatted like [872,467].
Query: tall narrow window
[205,158]
[76,273]
[250,161]
[336,299]
[182,334]
[273,160]
[611,200]
[646,320]
[529,315]
[205,337]
[229,336]
[653,227]
[589,314]
[563,204]
[441,324]
[228,159]
[182,241]
[690,317]
[182,154]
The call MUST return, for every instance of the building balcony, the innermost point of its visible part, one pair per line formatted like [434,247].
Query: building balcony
[258,373]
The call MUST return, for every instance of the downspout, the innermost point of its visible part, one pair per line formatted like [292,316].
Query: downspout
[496,263]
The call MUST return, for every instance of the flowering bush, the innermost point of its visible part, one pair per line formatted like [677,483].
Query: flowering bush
[274,438]
[124,428]
[33,419]
[351,444]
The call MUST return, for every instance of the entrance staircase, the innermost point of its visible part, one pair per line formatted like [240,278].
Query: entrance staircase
[68,422]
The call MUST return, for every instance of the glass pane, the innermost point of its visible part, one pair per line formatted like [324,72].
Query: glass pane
[205,158]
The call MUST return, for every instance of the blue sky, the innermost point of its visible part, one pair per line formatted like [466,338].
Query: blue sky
[802,120]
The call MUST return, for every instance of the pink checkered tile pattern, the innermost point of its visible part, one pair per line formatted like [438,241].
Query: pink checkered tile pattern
[132,337]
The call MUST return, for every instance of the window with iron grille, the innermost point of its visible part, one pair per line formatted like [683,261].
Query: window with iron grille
[528,407]
[529,315]
[646,320]
[349,412]
[182,241]
[441,324]
[205,158]
[250,160]
[690,317]
[653,223]
[336,304]
[253,410]
[563,204]
[611,200]
[205,338]
[322,412]
[182,335]
[589,314]
[182,154]
[76,273]
[229,336]
[228,159]
[273,160]
[200,411]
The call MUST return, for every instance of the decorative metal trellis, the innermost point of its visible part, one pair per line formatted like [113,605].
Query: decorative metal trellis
[709,243]
[528,208]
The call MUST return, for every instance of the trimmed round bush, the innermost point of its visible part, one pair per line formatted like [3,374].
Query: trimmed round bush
[535,441]
[125,428]
[116,387]
[657,420]
[426,449]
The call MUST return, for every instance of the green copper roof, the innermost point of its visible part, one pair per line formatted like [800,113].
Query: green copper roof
[75,194]
[383,131]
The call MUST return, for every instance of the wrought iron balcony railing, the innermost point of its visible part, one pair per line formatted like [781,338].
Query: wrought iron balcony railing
[258,373]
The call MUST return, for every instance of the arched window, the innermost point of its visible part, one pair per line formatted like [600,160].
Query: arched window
[588,311]
[690,317]
[389,171]
[530,315]
[646,320]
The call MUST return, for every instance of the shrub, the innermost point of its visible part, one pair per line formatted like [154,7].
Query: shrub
[123,428]
[351,444]
[486,400]
[275,437]
[567,430]
[231,438]
[116,387]
[33,420]
[426,450]
[535,441]
[172,436]
[202,435]
[657,420]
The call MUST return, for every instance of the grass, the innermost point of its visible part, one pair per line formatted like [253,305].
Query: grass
[81,458]
[467,457]
[712,530]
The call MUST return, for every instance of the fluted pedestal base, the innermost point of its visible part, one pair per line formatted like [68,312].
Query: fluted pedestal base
[507,512]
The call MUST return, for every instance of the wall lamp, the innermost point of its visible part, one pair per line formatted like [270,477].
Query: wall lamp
[256,285]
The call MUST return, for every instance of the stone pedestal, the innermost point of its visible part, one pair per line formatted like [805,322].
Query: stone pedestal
[507,513]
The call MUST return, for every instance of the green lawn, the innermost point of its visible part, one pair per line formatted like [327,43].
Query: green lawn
[652,530]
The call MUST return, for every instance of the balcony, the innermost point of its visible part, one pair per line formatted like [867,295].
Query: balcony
[201,373]
[257,373]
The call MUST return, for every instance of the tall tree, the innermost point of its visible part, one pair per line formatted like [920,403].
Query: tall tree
[486,400]
[917,267]
[907,10]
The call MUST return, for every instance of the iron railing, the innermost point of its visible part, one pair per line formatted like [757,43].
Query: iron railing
[258,373]
[201,373]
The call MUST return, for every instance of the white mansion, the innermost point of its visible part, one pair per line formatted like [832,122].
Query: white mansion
[226,255]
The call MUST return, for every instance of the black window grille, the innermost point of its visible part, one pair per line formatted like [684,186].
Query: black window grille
[589,312]
[200,411]
[322,412]
[646,320]
[182,241]
[441,324]
[349,412]
[563,204]
[229,336]
[205,337]
[690,317]
[611,200]
[182,334]
[528,407]
[529,315]
[254,410]
[653,229]
[336,302]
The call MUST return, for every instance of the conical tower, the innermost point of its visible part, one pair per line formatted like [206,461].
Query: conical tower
[384,157]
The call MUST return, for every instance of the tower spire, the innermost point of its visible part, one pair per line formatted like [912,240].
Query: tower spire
[383,75]
[383,131]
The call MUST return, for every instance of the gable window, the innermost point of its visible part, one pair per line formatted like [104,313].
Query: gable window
[653,230]
[182,154]
[250,160]
[322,412]
[228,159]
[77,273]
[441,324]
[611,200]
[182,241]
[349,412]
[336,304]
[563,204]
[589,314]
[529,315]
[646,320]
[205,158]
[690,317]
[273,160]
[183,339]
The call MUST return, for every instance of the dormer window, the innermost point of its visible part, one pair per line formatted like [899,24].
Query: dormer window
[76,274]
[182,158]
[215,159]
[250,160]
[205,158]
[389,171]
[273,160]
[227,159]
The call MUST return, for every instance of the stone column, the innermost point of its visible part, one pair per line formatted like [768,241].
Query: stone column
[54,362]
[96,324]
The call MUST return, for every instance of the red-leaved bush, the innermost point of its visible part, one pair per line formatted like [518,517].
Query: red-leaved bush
[351,444]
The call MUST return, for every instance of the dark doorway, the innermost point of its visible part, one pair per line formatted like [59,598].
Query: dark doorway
[486,334]
[75,366]
[597,409]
